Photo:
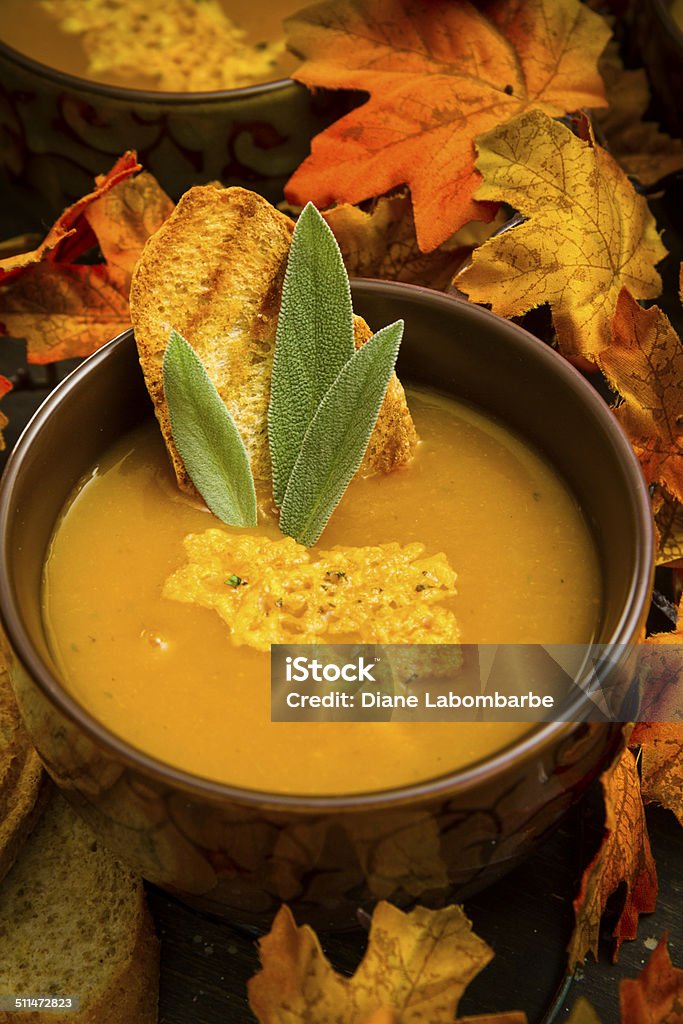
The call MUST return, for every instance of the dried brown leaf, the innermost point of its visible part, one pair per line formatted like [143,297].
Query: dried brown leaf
[437,75]
[624,857]
[645,365]
[67,309]
[656,995]
[661,759]
[668,513]
[583,1013]
[383,244]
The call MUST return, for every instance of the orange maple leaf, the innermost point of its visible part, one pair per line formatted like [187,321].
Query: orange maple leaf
[5,386]
[645,365]
[624,857]
[656,995]
[64,308]
[416,968]
[587,232]
[437,74]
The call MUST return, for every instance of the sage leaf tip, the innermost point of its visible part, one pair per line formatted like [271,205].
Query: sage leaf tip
[337,437]
[206,436]
[314,339]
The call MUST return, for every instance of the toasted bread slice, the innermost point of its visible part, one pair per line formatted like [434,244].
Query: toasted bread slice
[394,438]
[22,780]
[73,922]
[214,272]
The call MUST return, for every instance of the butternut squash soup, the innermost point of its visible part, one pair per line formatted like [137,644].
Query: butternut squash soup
[169,45]
[170,678]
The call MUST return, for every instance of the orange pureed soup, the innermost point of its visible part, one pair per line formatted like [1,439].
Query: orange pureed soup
[167,676]
[168,45]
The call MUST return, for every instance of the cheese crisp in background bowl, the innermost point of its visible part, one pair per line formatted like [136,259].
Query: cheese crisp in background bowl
[237,814]
[200,90]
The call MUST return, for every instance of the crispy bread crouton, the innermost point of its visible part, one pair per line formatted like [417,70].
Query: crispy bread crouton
[394,438]
[214,272]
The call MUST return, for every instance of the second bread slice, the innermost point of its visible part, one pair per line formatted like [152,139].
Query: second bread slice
[74,922]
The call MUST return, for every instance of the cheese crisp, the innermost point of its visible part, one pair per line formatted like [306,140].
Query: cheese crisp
[180,45]
[277,591]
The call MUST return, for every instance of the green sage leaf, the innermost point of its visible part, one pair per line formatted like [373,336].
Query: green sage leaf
[338,435]
[206,436]
[313,342]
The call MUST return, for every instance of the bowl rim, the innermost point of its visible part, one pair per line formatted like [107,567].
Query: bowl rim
[140,96]
[447,784]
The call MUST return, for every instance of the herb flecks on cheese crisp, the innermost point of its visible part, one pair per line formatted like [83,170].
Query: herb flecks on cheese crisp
[386,593]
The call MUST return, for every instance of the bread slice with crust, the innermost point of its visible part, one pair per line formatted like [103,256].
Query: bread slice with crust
[214,272]
[23,783]
[74,922]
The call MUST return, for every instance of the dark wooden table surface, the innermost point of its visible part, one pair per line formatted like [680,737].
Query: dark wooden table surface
[526,918]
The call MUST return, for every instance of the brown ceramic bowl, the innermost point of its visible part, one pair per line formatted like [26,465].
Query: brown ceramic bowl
[240,853]
[58,131]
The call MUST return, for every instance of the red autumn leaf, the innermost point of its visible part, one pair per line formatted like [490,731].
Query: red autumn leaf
[437,74]
[5,386]
[64,308]
[656,995]
[644,364]
[661,758]
[624,857]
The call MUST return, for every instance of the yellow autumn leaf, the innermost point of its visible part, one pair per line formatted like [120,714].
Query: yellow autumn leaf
[587,232]
[583,1013]
[415,970]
